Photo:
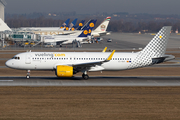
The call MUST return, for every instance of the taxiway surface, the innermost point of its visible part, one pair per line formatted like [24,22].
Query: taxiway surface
[93,81]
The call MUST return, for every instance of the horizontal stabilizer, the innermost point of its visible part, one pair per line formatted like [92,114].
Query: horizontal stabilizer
[163,59]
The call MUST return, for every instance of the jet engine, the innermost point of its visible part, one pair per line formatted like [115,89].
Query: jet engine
[64,71]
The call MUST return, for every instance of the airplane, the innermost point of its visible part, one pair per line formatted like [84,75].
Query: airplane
[4,26]
[66,39]
[66,64]
[100,30]
[62,27]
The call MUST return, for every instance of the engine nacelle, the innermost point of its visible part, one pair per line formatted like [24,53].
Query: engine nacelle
[64,71]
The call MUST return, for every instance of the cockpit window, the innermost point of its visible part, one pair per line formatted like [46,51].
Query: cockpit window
[17,58]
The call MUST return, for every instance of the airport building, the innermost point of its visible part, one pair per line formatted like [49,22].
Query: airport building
[2,6]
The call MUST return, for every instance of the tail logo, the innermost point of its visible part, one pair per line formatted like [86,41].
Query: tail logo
[72,29]
[103,27]
[80,24]
[85,32]
[89,30]
[91,24]
[160,36]
[67,28]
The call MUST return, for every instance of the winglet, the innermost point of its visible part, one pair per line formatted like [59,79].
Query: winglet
[104,49]
[110,56]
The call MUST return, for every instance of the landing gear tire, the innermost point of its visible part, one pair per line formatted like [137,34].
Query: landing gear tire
[85,76]
[27,76]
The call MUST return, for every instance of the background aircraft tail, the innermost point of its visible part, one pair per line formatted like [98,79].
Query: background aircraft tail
[71,25]
[103,26]
[86,32]
[81,24]
[4,26]
[90,23]
[86,25]
[65,23]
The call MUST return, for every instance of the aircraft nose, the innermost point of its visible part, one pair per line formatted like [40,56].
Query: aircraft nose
[8,63]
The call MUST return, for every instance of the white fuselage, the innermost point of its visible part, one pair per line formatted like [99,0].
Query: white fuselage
[42,28]
[49,60]
[58,38]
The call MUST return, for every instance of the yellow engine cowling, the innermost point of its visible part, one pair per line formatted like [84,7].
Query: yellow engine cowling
[64,71]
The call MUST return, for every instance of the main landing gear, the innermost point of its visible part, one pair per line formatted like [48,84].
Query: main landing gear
[85,75]
[28,74]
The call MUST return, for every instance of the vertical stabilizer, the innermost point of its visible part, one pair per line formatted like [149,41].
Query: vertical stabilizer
[86,32]
[103,26]
[3,26]
[157,46]
[80,25]
[65,23]
[155,49]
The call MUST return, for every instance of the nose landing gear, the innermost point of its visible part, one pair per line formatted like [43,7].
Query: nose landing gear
[28,74]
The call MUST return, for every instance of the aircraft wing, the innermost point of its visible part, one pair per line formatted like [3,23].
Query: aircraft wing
[87,65]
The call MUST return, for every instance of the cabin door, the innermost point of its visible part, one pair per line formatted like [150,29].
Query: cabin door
[28,59]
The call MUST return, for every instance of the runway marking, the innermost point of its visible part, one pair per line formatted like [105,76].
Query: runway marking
[6,80]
